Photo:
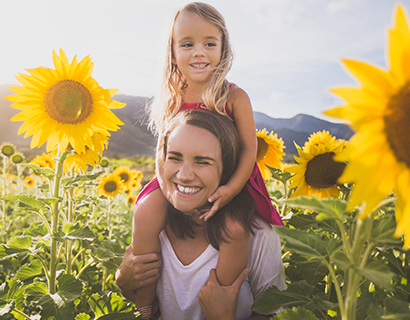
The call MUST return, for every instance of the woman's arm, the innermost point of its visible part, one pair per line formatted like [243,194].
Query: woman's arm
[136,272]
[218,302]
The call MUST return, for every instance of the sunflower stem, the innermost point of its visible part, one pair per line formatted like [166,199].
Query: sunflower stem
[54,227]
[358,260]
[69,242]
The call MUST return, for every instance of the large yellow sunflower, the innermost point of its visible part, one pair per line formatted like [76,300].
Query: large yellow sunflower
[379,110]
[65,105]
[110,185]
[270,152]
[317,172]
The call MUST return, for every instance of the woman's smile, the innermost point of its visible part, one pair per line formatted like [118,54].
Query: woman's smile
[187,190]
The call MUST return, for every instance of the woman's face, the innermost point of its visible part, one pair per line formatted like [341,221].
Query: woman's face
[192,168]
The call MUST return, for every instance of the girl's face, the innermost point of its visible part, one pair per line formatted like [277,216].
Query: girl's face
[192,168]
[197,47]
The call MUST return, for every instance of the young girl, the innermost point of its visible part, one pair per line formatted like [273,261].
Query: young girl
[199,57]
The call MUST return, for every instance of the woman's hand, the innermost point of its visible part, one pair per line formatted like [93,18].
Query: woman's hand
[136,272]
[219,302]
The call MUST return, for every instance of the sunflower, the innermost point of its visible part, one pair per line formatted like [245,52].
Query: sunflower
[270,152]
[110,185]
[104,162]
[17,158]
[125,174]
[45,161]
[90,156]
[29,181]
[130,200]
[317,172]
[64,106]
[379,110]
[7,149]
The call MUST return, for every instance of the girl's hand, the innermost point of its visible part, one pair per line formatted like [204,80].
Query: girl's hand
[220,198]
[219,302]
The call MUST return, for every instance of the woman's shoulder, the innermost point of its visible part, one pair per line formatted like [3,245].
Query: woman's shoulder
[264,237]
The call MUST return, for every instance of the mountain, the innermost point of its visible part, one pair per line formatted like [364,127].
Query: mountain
[134,138]
[299,128]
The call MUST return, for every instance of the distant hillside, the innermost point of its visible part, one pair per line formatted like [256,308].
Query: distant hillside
[299,128]
[134,138]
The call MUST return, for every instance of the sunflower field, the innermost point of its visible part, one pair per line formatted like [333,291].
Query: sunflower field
[66,215]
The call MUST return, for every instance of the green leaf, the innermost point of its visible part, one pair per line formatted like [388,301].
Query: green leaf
[47,172]
[60,305]
[57,307]
[396,309]
[377,273]
[313,271]
[20,242]
[82,316]
[72,181]
[341,260]
[327,208]
[297,294]
[305,243]
[29,201]
[36,230]
[120,316]
[383,230]
[280,175]
[35,291]
[107,304]
[33,269]
[67,283]
[83,233]
[296,313]
[52,201]
[303,221]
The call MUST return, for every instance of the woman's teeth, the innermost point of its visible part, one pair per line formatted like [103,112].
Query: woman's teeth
[187,190]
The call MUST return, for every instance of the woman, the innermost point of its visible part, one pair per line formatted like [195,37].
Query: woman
[200,150]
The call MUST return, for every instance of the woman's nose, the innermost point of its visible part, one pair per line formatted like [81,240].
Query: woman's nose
[185,172]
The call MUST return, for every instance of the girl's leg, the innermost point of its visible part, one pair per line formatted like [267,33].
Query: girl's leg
[233,256]
[149,220]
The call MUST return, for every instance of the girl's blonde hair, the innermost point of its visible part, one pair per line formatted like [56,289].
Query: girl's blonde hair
[215,95]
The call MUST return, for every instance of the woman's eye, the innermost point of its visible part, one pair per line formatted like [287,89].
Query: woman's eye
[172,158]
[203,163]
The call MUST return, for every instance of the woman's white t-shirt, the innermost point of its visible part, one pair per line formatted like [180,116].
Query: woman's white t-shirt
[178,285]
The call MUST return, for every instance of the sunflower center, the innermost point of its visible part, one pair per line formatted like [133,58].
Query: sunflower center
[263,147]
[68,102]
[397,128]
[322,171]
[110,186]
[124,177]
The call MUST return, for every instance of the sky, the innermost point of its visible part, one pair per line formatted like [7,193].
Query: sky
[287,52]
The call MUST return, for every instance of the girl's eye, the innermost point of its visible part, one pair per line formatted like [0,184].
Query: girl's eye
[210,44]
[186,45]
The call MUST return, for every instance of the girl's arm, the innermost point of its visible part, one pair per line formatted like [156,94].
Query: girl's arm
[218,302]
[241,108]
